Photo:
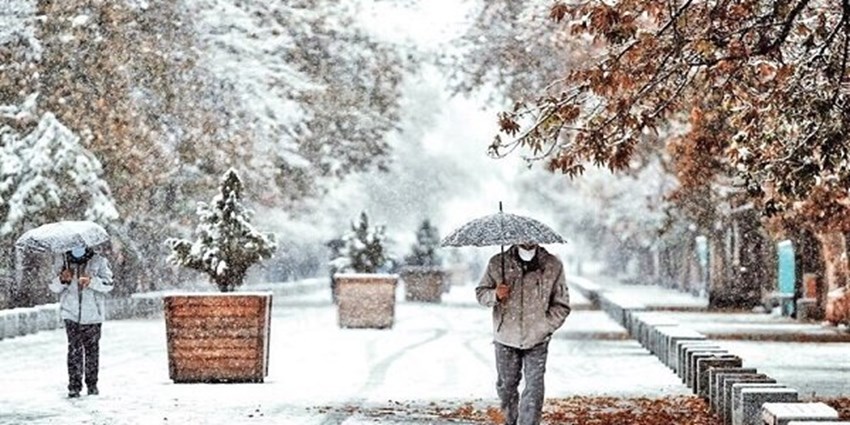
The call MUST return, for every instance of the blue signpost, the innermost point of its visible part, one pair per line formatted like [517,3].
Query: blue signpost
[787,276]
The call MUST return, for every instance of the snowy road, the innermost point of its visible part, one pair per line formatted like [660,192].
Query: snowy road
[434,353]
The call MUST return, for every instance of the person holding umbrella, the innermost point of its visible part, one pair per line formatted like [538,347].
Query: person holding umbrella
[82,278]
[526,288]
[530,301]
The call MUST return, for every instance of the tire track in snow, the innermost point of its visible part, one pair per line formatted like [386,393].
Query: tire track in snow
[379,372]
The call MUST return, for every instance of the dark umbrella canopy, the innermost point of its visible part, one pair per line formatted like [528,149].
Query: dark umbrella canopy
[502,229]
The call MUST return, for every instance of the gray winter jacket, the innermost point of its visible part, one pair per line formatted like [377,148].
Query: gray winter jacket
[88,306]
[538,303]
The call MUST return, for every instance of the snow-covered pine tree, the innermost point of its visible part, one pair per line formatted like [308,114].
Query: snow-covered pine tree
[47,175]
[424,251]
[226,244]
[364,248]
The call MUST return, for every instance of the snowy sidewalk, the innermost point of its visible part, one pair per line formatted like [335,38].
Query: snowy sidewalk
[810,357]
[691,311]
[434,354]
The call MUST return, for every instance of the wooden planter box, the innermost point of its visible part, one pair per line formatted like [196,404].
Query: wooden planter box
[218,337]
[365,300]
[423,284]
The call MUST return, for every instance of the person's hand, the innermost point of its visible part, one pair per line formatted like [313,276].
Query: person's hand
[84,281]
[65,276]
[502,292]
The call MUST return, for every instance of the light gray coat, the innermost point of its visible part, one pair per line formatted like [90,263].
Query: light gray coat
[538,303]
[88,306]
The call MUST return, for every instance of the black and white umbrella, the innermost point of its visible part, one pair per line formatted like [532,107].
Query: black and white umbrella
[502,229]
[62,236]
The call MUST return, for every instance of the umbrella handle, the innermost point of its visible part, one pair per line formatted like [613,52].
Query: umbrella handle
[503,263]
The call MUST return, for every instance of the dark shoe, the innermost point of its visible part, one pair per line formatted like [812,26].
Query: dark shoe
[93,391]
[73,394]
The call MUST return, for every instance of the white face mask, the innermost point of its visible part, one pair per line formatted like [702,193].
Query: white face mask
[78,251]
[527,255]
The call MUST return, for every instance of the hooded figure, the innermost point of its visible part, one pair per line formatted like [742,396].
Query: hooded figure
[527,290]
[82,280]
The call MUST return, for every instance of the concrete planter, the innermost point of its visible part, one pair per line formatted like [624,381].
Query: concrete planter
[423,284]
[366,300]
[218,337]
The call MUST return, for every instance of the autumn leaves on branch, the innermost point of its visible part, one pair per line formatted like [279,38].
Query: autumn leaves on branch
[747,93]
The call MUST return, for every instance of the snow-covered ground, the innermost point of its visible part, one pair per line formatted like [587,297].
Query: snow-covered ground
[434,353]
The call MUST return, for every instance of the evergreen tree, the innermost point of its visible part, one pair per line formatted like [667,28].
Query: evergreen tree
[364,248]
[424,251]
[227,244]
[47,175]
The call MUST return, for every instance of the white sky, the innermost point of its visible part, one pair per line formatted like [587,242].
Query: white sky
[465,126]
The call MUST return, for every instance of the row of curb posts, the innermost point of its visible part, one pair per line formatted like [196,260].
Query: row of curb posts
[738,395]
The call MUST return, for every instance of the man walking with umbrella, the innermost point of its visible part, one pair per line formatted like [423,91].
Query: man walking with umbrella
[527,290]
[82,279]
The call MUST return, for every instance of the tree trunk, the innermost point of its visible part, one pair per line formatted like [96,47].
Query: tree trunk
[752,275]
[835,265]
[718,271]
[809,261]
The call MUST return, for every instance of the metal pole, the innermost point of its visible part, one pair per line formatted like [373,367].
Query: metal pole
[502,229]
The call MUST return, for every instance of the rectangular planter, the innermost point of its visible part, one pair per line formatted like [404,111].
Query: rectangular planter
[365,300]
[218,337]
[423,284]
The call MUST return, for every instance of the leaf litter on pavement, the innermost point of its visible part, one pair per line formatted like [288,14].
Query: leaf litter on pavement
[579,410]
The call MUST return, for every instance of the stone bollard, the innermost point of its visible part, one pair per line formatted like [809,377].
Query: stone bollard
[687,356]
[651,324]
[2,324]
[116,309]
[783,413]
[705,365]
[714,389]
[684,346]
[617,306]
[691,368]
[670,345]
[11,323]
[725,390]
[735,407]
[48,317]
[752,400]
[659,338]
[27,320]
[644,322]
[666,338]
[819,423]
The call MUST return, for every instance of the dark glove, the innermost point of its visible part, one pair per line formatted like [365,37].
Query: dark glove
[65,276]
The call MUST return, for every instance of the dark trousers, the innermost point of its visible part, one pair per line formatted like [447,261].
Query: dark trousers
[511,364]
[83,354]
